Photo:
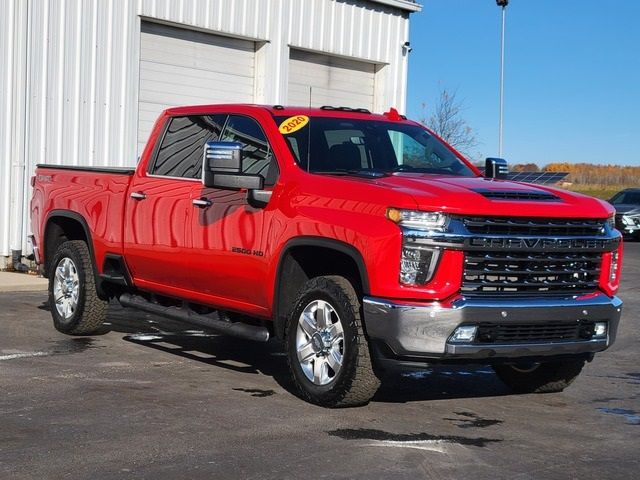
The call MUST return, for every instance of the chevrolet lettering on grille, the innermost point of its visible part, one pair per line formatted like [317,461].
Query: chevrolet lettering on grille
[502,243]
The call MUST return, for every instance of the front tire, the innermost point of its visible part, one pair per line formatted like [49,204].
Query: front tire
[75,305]
[548,377]
[327,351]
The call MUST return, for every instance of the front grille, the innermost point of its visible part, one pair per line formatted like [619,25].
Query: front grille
[533,226]
[532,333]
[517,195]
[523,273]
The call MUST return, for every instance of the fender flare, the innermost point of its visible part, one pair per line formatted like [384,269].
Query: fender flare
[322,242]
[85,227]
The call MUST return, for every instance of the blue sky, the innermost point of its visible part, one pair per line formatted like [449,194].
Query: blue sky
[572,75]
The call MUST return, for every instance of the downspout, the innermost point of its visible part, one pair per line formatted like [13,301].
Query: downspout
[19,149]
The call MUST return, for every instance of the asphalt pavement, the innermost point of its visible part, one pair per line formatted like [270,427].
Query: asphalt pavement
[150,399]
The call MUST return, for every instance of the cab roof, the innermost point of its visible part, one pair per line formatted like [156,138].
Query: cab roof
[286,111]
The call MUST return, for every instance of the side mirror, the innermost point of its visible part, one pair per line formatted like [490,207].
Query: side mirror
[496,168]
[222,168]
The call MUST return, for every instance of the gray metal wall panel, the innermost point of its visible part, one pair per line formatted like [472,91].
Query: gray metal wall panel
[13,98]
[242,18]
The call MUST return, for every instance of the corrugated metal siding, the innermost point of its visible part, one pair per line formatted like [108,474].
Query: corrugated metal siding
[6,100]
[83,88]
[242,18]
[13,72]
[69,71]
[82,78]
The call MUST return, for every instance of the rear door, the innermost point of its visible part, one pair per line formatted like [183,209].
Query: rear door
[230,252]
[159,212]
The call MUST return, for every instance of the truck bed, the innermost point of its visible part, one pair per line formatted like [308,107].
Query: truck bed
[94,196]
[114,170]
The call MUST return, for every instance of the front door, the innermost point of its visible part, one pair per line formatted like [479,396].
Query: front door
[229,256]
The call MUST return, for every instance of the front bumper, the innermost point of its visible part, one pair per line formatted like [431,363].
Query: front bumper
[422,331]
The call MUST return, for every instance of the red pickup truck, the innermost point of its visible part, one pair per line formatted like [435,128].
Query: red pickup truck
[363,241]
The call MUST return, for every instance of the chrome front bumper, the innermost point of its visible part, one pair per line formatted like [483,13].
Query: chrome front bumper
[422,330]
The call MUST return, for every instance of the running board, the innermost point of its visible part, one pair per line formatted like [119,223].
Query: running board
[234,329]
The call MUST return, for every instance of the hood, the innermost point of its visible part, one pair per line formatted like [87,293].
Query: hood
[482,196]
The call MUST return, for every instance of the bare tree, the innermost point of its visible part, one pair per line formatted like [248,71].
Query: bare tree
[447,122]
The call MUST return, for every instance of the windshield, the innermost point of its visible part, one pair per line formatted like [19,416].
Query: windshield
[341,145]
[626,197]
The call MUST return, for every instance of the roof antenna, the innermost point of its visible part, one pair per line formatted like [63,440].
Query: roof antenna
[309,134]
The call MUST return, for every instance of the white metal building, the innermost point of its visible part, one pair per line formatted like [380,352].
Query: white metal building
[81,81]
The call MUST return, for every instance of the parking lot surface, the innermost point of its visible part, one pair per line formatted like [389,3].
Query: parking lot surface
[151,399]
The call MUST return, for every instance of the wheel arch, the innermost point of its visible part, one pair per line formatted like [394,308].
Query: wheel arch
[303,258]
[63,225]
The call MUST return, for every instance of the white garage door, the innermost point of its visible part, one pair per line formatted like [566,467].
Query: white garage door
[333,80]
[185,67]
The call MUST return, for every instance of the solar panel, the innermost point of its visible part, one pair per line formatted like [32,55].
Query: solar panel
[540,178]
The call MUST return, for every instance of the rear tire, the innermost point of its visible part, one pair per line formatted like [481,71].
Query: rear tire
[548,377]
[327,351]
[75,305]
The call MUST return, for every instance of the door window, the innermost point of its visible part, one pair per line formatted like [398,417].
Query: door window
[181,150]
[257,156]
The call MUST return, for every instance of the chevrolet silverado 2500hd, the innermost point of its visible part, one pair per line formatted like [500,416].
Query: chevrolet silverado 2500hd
[363,241]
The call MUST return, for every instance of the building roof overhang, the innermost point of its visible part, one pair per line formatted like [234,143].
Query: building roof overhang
[409,5]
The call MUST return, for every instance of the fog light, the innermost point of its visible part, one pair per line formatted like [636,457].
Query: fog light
[599,329]
[417,265]
[466,333]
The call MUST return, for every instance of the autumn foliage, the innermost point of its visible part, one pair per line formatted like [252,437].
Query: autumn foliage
[588,173]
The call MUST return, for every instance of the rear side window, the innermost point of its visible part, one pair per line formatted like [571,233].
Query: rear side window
[256,151]
[181,150]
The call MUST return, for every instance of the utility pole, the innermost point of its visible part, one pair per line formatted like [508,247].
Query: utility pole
[503,5]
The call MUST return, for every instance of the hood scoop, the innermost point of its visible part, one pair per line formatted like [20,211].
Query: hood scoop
[521,195]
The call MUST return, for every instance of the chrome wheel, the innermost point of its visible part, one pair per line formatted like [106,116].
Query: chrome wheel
[320,342]
[66,288]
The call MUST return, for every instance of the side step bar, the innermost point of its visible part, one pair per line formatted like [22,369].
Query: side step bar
[235,329]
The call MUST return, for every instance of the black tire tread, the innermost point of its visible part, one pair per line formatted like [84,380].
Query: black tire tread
[92,309]
[361,384]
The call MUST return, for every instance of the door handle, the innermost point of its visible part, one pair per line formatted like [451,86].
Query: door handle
[138,195]
[202,202]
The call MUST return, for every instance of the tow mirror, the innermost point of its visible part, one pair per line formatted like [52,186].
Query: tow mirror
[496,168]
[222,168]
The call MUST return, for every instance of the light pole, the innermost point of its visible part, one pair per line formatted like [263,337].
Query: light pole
[503,5]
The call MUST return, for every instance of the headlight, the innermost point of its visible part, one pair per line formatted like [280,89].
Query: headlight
[433,221]
[418,263]
[612,221]
[627,220]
